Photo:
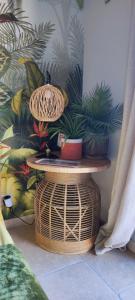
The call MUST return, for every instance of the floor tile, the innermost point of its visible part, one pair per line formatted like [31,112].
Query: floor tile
[116,268]
[40,260]
[77,282]
[128,294]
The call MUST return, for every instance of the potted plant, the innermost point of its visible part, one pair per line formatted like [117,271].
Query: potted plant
[101,119]
[72,132]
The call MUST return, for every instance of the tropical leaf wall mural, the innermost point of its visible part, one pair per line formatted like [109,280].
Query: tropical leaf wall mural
[27,51]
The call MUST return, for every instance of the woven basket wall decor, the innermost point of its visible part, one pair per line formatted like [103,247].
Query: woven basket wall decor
[47,103]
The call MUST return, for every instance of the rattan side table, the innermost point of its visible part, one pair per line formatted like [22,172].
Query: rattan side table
[67,206]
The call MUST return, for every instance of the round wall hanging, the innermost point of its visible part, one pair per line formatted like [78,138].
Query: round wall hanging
[47,103]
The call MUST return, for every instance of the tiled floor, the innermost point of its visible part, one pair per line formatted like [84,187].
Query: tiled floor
[78,277]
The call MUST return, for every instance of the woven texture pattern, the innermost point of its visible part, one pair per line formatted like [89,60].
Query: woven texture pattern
[47,103]
[68,213]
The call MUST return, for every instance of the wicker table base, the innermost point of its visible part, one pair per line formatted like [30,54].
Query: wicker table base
[67,209]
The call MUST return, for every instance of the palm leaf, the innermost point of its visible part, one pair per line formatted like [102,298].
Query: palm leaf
[76,41]
[80,3]
[61,56]
[11,22]
[5,94]
[5,60]
[69,126]
[99,101]
[7,119]
[27,45]
[98,113]
[55,71]
[74,85]
[30,46]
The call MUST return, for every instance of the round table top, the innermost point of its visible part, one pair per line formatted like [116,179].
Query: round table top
[82,166]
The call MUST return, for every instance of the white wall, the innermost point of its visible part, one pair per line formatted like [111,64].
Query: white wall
[107,29]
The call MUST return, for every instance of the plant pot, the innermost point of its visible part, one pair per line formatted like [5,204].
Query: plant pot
[98,149]
[71,149]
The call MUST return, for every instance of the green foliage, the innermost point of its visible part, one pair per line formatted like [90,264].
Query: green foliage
[76,41]
[18,38]
[74,85]
[11,24]
[100,116]
[5,94]
[80,3]
[69,126]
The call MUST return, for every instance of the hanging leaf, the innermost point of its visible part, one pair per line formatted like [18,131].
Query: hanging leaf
[16,102]
[35,78]
[5,59]
[80,3]
[31,181]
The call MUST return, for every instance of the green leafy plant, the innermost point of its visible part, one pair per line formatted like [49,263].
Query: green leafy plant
[80,3]
[69,126]
[101,118]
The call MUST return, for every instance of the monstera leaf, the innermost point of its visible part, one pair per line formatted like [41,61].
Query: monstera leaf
[5,59]
[5,94]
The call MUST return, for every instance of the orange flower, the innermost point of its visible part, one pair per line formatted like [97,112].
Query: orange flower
[40,130]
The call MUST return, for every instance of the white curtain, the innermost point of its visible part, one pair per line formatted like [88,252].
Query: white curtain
[119,230]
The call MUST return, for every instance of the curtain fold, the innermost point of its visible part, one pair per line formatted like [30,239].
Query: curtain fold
[121,218]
